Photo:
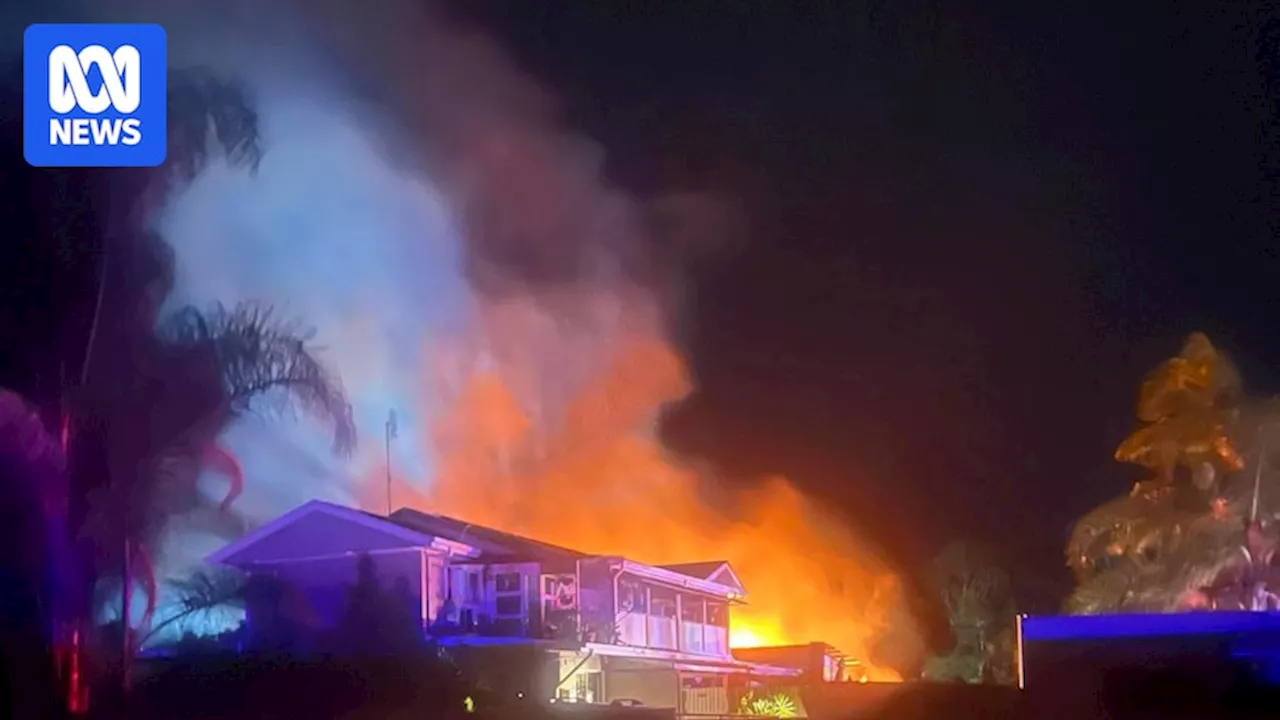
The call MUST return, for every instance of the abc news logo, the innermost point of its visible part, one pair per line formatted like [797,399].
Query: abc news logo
[95,95]
[121,73]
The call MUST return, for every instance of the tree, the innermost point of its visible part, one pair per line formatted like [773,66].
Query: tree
[83,328]
[376,620]
[979,604]
[153,394]
[120,353]
[1208,449]
[199,594]
[35,563]
[200,372]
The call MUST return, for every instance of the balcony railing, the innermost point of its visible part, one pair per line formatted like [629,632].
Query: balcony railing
[666,633]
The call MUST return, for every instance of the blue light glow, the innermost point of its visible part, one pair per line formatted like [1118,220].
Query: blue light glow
[1049,628]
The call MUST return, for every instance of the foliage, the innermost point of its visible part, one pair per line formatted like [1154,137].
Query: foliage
[155,394]
[1206,446]
[955,667]
[204,107]
[376,620]
[201,593]
[201,372]
[980,608]
[139,400]
[257,355]
[778,705]
[973,589]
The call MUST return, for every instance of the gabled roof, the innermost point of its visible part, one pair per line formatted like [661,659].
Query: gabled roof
[483,544]
[413,538]
[716,571]
[487,540]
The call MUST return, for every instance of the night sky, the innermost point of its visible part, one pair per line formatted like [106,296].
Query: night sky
[970,232]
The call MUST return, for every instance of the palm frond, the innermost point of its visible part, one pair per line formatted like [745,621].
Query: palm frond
[23,436]
[206,111]
[259,356]
[202,592]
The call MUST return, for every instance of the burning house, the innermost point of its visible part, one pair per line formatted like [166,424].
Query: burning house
[609,628]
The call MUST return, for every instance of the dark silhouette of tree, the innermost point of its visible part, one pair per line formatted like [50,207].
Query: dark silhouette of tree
[35,563]
[377,621]
[197,595]
[143,406]
[979,603]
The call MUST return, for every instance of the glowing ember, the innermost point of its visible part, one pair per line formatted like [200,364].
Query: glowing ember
[550,437]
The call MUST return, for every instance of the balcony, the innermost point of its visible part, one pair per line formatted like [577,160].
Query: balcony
[654,616]
[666,632]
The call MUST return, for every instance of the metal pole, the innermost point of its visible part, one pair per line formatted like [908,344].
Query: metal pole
[388,439]
[126,639]
[1257,478]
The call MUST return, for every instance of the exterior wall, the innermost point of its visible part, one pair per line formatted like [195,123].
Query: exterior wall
[317,589]
[317,534]
[494,599]
[653,683]
[597,609]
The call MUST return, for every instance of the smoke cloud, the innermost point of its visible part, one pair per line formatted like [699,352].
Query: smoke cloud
[468,264]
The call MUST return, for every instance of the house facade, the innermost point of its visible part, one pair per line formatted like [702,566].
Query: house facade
[612,629]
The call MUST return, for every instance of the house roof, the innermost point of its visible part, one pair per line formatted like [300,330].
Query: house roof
[487,540]
[716,571]
[228,553]
[701,570]
[484,544]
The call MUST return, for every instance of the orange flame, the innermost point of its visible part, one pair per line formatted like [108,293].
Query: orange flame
[584,471]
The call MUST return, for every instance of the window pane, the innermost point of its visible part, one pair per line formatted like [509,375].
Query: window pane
[716,614]
[507,582]
[691,609]
[508,605]
[632,596]
[664,608]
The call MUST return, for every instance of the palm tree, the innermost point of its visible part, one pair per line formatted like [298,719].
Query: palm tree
[203,372]
[153,394]
[197,595]
[120,354]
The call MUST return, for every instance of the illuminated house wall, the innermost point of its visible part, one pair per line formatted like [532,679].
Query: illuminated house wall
[468,580]
[610,628]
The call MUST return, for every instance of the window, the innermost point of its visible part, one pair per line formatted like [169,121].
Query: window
[664,608]
[632,596]
[508,595]
[508,606]
[473,586]
[691,609]
[717,615]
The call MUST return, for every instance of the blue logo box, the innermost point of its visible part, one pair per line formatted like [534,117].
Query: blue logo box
[95,95]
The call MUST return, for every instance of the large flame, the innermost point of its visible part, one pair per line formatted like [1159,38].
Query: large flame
[543,427]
